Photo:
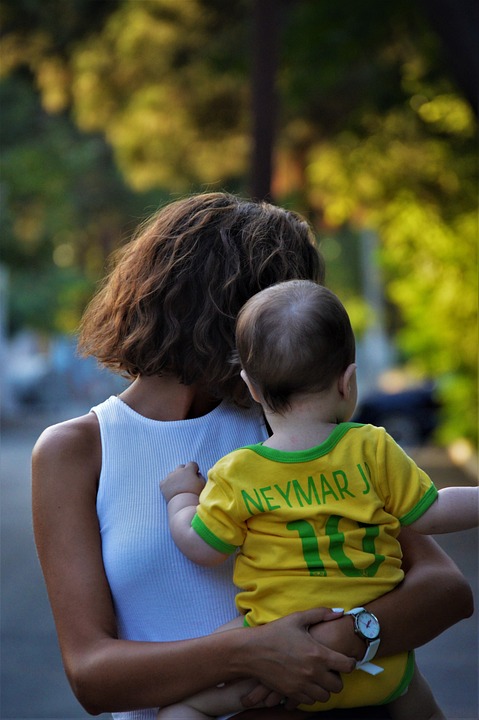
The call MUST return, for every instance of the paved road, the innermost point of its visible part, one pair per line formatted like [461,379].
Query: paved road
[33,684]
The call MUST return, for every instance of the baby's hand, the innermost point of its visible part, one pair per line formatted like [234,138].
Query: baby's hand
[185,479]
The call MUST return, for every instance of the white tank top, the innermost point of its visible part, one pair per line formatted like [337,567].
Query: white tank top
[158,594]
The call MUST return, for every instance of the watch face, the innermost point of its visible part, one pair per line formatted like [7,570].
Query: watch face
[368,625]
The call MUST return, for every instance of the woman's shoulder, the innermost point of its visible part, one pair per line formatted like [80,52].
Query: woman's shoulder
[70,442]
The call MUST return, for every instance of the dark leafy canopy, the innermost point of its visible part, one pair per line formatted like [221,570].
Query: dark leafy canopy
[61,23]
[169,83]
[375,130]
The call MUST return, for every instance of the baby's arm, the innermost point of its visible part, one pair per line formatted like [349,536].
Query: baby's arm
[181,490]
[456,508]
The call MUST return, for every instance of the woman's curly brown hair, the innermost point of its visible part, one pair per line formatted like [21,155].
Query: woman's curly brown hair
[171,301]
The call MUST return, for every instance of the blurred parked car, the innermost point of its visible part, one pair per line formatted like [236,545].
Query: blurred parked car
[410,415]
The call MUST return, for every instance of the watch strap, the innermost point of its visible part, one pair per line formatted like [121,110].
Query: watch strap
[369,667]
[365,665]
[371,650]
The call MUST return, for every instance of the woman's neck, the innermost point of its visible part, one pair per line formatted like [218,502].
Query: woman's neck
[165,398]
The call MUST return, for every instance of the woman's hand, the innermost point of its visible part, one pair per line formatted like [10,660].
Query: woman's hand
[339,636]
[287,660]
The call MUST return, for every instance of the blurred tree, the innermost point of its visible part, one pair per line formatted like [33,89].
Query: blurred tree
[64,207]
[404,165]
[374,129]
[169,91]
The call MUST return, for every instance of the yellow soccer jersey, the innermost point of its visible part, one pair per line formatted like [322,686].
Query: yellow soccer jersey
[316,527]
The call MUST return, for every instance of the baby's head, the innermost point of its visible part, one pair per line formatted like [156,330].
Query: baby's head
[293,338]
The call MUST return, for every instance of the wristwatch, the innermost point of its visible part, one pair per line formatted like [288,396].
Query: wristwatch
[366,625]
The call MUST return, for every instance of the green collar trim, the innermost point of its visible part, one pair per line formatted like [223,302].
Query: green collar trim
[298,456]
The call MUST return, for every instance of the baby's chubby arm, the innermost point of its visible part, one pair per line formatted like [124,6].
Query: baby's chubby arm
[181,489]
[455,509]
[186,479]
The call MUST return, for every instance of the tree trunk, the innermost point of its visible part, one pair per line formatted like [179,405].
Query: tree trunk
[266,34]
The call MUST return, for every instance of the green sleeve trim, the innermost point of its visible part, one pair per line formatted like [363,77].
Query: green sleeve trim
[419,509]
[205,533]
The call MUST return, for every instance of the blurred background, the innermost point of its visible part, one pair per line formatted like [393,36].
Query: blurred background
[360,115]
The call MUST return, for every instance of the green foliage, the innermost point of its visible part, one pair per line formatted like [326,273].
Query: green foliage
[49,299]
[64,208]
[373,134]
[166,92]
[411,175]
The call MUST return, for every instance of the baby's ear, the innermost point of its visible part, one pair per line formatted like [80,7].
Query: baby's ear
[253,392]
[345,380]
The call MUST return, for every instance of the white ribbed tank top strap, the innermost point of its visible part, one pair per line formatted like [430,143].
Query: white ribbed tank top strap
[158,594]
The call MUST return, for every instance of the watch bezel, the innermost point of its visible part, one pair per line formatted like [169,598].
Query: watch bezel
[357,620]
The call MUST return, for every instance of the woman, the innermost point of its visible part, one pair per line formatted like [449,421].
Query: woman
[123,597]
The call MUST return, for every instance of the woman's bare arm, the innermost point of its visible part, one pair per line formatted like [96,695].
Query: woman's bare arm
[108,674]
[433,596]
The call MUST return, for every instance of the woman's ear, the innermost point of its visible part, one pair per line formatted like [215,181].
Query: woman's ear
[345,382]
[253,392]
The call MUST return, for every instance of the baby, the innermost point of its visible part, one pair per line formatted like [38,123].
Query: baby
[313,512]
